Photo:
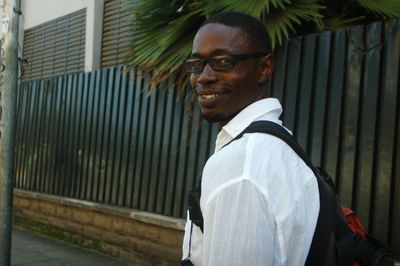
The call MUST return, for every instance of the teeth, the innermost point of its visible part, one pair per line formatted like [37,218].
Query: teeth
[209,96]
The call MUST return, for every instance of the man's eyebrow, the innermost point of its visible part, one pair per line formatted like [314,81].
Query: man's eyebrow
[215,52]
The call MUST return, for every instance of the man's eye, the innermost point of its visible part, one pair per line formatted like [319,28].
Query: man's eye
[194,62]
[222,60]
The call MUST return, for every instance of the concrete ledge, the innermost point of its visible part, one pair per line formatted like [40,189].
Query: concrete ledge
[139,237]
[146,217]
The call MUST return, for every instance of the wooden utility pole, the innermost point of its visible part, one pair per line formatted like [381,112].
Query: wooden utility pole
[8,99]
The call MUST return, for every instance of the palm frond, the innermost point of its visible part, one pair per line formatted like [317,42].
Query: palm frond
[281,22]
[385,8]
[280,16]
[163,30]
[336,23]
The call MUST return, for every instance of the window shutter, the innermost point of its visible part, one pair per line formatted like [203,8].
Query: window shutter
[56,47]
[117,28]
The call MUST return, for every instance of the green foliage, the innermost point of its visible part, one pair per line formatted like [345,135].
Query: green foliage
[164,30]
[384,8]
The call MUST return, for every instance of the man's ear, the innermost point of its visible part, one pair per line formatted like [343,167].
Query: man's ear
[267,64]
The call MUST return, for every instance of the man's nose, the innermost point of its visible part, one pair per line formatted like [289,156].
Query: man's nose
[207,75]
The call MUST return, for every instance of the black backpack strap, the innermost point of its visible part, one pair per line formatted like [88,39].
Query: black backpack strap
[278,131]
[327,197]
[195,214]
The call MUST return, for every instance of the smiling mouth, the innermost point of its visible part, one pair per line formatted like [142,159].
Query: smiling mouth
[209,96]
[209,99]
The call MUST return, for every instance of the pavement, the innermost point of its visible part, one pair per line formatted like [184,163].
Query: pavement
[32,249]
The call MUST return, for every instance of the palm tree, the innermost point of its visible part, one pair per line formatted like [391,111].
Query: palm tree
[164,30]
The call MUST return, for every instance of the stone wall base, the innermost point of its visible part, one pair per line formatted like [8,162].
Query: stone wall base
[137,237]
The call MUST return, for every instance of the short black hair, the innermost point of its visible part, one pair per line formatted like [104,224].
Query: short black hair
[254,29]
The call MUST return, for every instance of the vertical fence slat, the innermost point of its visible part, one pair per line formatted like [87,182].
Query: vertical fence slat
[41,137]
[395,189]
[67,140]
[81,169]
[158,143]
[165,158]
[73,136]
[135,141]
[34,138]
[150,161]
[46,135]
[141,101]
[50,135]
[173,124]
[162,149]
[349,124]
[23,103]
[302,119]
[25,156]
[129,174]
[319,98]
[192,156]
[148,142]
[100,116]
[126,173]
[59,130]
[368,126]
[385,135]
[38,137]
[182,159]
[291,82]
[114,131]
[394,239]
[104,106]
[93,161]
[113,81]
[278,78]
[142,137]
[334,106]
[120,140]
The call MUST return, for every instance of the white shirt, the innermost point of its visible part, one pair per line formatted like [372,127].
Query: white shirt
[259,200]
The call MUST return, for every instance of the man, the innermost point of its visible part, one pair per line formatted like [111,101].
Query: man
[259,200]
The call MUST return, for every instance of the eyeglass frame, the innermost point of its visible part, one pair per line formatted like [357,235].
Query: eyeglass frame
[235,58]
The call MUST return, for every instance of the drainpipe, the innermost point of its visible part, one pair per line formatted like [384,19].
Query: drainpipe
[8,99]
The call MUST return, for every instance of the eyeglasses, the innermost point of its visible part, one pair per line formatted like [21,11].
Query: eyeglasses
[218,62]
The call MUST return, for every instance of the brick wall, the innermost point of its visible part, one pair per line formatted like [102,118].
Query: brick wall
[138,237]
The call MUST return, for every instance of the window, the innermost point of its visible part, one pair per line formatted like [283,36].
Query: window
[117,28]
[56,47]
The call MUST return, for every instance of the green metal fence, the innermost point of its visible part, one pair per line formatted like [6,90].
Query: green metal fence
[101,137]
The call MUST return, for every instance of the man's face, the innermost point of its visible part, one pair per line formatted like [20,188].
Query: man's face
[222,94]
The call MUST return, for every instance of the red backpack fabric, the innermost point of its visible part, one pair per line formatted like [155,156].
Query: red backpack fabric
[355,225]
[353,222]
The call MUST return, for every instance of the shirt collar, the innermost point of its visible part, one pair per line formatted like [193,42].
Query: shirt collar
[265,109]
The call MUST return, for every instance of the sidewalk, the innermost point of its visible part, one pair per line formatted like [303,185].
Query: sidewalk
[31,249]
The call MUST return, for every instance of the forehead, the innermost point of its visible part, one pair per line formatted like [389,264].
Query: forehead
[214,38]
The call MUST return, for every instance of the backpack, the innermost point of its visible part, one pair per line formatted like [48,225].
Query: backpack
[339,237]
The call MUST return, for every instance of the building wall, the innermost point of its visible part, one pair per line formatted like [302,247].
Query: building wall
[36,12]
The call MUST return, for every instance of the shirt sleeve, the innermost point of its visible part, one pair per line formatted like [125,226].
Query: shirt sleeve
[260,208]
[239,228]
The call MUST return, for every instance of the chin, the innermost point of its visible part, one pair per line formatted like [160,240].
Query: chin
[213,118]
[219,118]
